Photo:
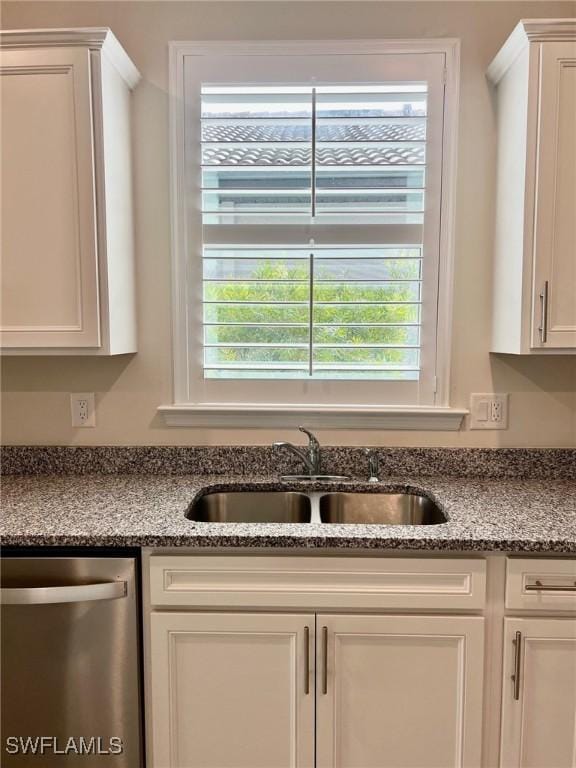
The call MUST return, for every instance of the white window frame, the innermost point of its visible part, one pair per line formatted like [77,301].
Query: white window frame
[185,411]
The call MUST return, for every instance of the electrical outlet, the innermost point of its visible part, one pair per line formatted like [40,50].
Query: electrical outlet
[83,409]
[496,411]
[489,411]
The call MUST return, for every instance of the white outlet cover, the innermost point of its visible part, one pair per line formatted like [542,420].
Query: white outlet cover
[489,410]
[83,409]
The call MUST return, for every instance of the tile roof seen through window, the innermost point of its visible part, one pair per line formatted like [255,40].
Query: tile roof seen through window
[385,144]
[296,133]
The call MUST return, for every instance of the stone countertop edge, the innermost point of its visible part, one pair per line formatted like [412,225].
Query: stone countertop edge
[489,515]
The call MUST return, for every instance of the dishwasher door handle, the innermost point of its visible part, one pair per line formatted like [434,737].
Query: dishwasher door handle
[76,593]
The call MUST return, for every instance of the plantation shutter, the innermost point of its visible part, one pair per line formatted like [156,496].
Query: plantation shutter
[313,201]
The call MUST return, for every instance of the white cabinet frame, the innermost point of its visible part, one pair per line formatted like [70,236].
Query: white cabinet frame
[534,280]
[68,240]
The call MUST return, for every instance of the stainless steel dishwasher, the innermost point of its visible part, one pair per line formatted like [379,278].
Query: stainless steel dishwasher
[70,662]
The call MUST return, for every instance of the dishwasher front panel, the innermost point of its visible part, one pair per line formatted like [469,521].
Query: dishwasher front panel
[70,663]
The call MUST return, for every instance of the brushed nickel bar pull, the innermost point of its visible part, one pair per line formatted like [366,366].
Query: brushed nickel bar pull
[543,327]
[75,593]
[306,660]
[539,587]
[324,660]
[517,661]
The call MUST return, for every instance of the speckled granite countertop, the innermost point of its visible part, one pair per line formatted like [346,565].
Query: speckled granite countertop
[139,510]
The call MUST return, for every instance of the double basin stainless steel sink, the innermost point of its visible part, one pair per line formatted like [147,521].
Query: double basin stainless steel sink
[380,508]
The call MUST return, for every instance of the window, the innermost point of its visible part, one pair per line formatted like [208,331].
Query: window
[310,187]
[316,157]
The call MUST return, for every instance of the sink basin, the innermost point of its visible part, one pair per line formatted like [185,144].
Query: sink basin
[380,509]
[252,507]
[337,507]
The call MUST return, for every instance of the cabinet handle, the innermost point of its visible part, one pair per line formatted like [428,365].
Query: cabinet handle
[324,660]
[306,660]
[517,661]
[539,587]
[543,327]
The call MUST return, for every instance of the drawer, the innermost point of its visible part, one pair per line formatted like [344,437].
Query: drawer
[317,582]
[541,585]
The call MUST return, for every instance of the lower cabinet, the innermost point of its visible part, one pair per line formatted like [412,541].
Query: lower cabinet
[333,662]
[539,694]
[239,690]
[399,691]
[232,690]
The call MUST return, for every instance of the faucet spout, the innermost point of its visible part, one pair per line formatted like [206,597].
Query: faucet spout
[310,457]
[299,453]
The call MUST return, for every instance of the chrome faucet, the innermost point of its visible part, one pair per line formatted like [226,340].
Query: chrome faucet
[310,457]
[373,465]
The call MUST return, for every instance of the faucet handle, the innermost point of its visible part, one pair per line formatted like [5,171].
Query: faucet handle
[373,464]
[311,437]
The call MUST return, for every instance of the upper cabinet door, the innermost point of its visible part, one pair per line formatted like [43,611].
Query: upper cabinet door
[534,285]
[49,249]
[554,315]
[399,691]
[539,707]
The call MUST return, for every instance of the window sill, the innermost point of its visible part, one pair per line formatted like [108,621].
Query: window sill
[336,416]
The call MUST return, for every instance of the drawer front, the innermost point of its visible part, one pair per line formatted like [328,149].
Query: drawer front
[541,585]
[317,582]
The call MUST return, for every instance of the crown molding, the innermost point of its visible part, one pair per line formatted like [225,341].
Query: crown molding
[525,32]
[100,39]
[549,30]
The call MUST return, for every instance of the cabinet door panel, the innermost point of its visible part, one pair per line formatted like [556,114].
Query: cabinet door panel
[49,250]
[539,727]
[402,692]
[555,232]
[228,691]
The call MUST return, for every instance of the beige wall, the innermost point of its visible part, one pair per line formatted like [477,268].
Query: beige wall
[128,389]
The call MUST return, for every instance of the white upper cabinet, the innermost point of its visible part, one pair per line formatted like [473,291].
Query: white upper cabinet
[67,229]
[535,245]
